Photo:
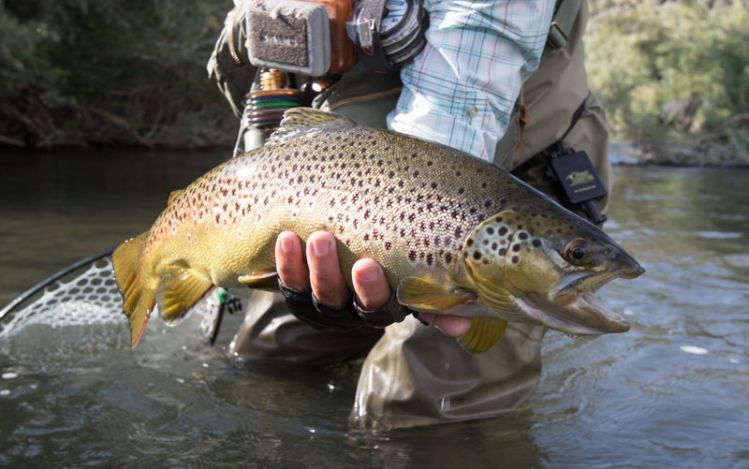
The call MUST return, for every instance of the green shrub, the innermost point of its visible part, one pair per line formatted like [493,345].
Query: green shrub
[111,71]
[674,71]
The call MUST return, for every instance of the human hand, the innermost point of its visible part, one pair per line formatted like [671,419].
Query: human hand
[322,273]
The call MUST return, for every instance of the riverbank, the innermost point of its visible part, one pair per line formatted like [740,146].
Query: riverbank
[671,75]
[708,156]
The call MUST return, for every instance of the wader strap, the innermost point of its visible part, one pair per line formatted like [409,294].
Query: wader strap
[562,23]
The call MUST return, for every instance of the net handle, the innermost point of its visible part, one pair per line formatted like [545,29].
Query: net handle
[53,278]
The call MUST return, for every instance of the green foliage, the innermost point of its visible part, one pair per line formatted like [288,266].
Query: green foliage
[133,72]
[673,71]
[90,71]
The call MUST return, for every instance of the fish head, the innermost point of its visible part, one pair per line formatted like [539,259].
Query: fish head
[544,264]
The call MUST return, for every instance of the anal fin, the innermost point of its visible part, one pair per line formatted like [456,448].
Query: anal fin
[179,290]
[483,334]
[426,295]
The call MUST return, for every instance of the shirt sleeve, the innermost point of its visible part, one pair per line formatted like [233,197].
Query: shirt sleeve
[461,89]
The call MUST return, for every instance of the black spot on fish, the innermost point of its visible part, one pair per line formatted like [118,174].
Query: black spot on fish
[388,245]
[502,252]
[476,255]
[494,246]
[536,243]
[469,243]
[448,257]
[523,235]
[412,256]
[434,185]
[502,230]
[515,259]
[516,248]
[430,259]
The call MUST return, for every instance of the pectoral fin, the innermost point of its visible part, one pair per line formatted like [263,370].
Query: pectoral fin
[179,289]
[260,280]
[426,295]
[483,334]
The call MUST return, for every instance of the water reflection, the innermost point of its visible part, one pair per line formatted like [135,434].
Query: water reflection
[673,391]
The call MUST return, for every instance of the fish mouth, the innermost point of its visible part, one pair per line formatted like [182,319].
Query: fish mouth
[586,315]
[573,308]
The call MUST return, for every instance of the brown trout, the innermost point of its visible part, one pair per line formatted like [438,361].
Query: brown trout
[454,234]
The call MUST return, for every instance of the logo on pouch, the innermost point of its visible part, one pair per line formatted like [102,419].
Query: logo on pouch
[579,177]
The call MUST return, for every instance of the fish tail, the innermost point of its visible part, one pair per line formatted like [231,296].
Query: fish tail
[138,299]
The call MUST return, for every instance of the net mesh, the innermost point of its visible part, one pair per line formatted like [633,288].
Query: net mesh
[88,296]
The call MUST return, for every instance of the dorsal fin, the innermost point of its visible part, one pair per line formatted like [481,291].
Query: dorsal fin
[173,195]
[301,120]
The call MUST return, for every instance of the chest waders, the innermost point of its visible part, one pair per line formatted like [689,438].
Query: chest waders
[414,375]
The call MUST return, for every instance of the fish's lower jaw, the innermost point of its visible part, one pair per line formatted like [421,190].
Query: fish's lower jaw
[584,316]
[632,272]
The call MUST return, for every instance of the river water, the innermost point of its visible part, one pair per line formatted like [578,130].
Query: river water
[674,391]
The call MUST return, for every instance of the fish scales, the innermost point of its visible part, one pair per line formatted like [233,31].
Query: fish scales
[384,196]
[453,233]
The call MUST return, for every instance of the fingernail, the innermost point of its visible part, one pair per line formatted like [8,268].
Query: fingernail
[370,274]
[287,244]
[321,247]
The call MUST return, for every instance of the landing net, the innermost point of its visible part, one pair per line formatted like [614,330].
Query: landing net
[86,294]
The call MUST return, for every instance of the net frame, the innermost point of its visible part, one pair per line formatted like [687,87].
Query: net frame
[86,293]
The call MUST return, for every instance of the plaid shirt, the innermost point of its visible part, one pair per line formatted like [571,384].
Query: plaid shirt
[461,89]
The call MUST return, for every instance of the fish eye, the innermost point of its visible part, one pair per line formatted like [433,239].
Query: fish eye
[576,252]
